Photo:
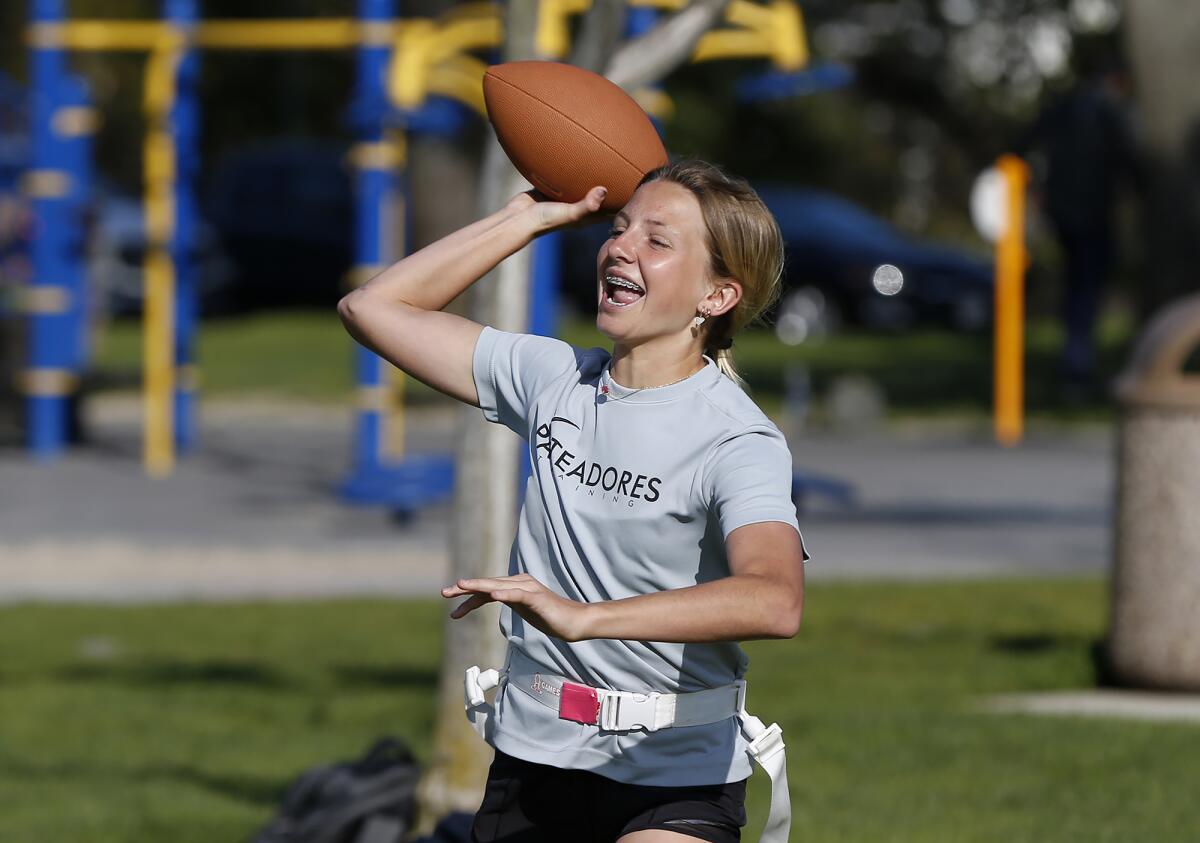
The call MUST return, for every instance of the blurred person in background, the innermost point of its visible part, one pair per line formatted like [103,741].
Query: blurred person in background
[1083,152]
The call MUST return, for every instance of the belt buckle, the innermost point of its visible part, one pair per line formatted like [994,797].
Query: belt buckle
[579,703]
[625,711]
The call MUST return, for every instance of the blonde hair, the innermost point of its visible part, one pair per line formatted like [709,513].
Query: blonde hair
[744,243]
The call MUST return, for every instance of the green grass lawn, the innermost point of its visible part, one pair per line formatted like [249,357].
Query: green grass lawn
[301,355]
[185,722]
[308,356]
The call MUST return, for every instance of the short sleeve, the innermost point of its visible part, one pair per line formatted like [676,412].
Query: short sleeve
[748,479]
[511,369]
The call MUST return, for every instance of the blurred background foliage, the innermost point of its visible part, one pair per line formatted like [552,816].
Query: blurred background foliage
[942,86]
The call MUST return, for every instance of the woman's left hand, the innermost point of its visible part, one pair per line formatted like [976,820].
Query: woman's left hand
[556,616]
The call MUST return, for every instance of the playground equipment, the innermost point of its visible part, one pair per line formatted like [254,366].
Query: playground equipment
[14,244]
[413,76]
[57,186]
[171,160]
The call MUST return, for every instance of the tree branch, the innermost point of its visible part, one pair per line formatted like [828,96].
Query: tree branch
[652,56]
[599,35]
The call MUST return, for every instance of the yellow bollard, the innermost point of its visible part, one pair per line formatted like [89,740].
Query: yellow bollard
[1011,261]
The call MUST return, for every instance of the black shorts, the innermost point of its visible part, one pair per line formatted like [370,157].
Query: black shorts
[531,803]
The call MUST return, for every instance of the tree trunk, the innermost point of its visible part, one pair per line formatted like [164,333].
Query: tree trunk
[1163,38]
[650,57]
[485,501]
[602,30]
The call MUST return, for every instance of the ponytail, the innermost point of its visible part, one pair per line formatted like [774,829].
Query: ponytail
[720,349]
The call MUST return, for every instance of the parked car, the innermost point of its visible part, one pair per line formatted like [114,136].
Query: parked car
[833,250]
[835,247]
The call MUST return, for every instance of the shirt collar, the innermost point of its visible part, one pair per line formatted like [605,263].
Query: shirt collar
[608,389]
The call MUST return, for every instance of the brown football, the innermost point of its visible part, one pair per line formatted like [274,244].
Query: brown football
[567,130]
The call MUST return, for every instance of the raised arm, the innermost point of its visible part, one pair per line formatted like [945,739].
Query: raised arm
[397,313]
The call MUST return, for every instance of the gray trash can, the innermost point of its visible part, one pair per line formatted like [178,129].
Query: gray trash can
[1154,630]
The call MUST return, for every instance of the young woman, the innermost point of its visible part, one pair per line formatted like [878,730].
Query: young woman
[657,529]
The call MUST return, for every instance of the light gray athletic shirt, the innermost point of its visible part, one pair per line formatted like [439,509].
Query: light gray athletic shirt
[632,492]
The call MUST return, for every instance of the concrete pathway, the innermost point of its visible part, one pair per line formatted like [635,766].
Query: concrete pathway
[956,504]
[1101,702]
[253,513]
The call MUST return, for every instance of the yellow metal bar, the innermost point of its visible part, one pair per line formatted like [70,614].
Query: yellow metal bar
[381,155]
[359,275]
[158,170]
[553,34]
[750,15]
[666,5]
[655,102]
[394,226]
[789,48]
[1011,260]
[158,439]
[461,78]
[425,46]
[408,69]
[158,332]
[458,36]
[283,34]
[481,9]
[158,85]
[775,32]
[318,34]
[472,26]
[730,44]
[396,432]
[98,35]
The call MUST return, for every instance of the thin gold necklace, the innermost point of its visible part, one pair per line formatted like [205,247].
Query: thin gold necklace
[604,390]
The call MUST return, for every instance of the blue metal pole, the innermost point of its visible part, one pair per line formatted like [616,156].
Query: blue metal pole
[543,305]
[380,160]
[75,124]
[373,186]
[544,290]
[48,378]
[185,132]
[639,20]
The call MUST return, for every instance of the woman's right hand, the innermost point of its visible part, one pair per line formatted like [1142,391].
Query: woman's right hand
[549,215]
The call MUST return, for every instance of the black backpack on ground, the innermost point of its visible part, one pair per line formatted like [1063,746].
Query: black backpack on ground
[372,800]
